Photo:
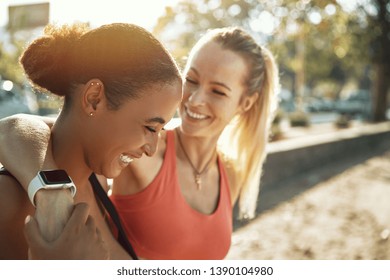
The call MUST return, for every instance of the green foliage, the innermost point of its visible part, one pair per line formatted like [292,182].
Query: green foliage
[10,68]
[276,130]
[339,43]
[279,115]
[182,25]
[299,118]
[343,121]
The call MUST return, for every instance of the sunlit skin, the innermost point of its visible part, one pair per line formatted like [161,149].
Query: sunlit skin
[133,131]
[84,143]
[212,91]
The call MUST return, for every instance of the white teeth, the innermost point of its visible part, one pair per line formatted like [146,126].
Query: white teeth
[195,115]
[125,159]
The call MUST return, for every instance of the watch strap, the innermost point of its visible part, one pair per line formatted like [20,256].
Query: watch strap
[36,184]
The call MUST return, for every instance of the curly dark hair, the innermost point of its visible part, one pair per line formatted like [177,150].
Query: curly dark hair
[125,57]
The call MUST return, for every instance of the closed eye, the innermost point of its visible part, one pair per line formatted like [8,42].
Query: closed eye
[219,92]
[191,81]
[151,129]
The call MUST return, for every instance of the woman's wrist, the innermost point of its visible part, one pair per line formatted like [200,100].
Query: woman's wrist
[48,198]
[53,209]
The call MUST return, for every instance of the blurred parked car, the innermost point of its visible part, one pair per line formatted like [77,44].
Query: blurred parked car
[357,103]
[15,100]
[286,100]
[49,104]
[320,105]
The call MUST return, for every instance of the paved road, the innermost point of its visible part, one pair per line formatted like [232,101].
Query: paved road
[344,217]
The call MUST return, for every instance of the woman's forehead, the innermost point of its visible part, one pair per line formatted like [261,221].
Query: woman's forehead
[213,61]
[157,103]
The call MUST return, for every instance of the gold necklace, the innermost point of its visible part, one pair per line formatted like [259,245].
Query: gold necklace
[197,174]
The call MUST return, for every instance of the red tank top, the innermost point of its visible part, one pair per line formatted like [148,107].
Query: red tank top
[160,224]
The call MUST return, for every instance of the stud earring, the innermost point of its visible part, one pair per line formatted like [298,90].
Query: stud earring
[91,114]
[92,84]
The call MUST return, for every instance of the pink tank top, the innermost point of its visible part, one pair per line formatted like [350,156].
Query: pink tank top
[160,224]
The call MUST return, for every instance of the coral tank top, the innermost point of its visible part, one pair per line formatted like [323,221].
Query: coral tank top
[160,224]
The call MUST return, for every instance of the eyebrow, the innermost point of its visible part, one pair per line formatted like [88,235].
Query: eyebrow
[156,120]
[214,83]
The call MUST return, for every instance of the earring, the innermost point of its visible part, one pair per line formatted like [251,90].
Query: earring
[92,84]
[91,114]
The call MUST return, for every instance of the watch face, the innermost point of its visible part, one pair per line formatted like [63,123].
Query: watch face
[55,177]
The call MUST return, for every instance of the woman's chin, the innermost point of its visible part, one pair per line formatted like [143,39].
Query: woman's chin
[114,171]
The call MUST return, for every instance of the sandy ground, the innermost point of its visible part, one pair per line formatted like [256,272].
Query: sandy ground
[344,217]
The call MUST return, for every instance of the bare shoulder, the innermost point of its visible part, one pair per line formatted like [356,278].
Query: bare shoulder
[14,207]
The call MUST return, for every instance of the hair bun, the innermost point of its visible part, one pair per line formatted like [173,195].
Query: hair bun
[47,61]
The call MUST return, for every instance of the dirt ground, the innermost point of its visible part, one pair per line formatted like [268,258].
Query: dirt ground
[344,217]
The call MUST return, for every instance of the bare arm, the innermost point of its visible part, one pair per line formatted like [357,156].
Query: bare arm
[25,139]
[14,207]
[80,239]
[24,150]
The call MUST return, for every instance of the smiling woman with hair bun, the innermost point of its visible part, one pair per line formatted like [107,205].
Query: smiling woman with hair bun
[120,87]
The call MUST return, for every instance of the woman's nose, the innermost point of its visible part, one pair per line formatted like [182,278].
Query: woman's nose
[150,146]
[197,97]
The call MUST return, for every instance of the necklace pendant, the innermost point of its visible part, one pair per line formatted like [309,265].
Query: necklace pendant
[198,181]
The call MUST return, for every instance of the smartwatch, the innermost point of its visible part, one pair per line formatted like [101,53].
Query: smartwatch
[50,180]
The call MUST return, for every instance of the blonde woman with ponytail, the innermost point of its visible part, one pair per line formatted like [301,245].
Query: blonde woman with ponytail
[178,204]
[244,142]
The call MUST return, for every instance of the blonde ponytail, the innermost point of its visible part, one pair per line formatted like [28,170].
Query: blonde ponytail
[252,133]
[245,140]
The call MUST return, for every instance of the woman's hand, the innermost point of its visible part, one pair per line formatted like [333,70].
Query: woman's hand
[80,239]
[54,208]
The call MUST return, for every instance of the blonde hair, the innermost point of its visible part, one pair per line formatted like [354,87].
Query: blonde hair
[246,138]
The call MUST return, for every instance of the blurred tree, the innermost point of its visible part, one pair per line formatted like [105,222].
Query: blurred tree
[325,45]
[315,41]
[181,26]
[10,68]
[379,26]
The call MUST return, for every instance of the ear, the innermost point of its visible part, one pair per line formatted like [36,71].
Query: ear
[93,96]
[248,101]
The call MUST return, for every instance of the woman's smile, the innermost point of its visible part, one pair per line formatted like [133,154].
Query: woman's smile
[194,115]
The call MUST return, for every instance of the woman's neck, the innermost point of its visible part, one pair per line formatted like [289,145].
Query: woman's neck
[200,150]
[67,150]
